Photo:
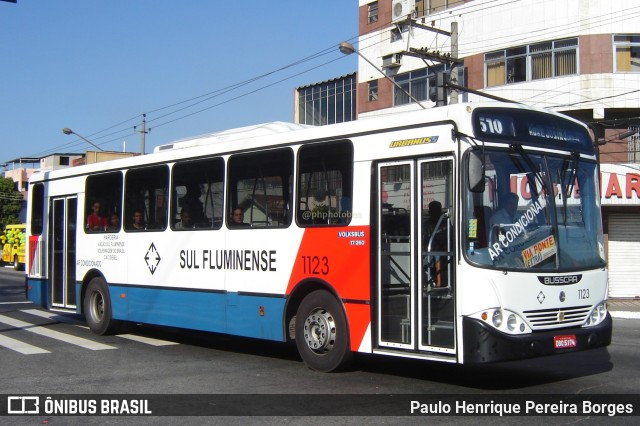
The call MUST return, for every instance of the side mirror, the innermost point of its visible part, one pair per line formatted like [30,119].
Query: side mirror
[475,172]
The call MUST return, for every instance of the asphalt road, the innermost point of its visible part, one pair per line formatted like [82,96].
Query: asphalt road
[266,381]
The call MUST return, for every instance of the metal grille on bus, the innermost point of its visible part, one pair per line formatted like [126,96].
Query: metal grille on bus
[544,318]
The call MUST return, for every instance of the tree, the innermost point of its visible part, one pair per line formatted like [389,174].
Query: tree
[11,202]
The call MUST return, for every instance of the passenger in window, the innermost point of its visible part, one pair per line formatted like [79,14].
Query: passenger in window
[138,220]
[191,202]
[507,214]
[237,218]
[95,222]
[114,223]
[436,235]
[186,220]
[439,242]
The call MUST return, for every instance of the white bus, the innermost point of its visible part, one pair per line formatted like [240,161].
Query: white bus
[399,235]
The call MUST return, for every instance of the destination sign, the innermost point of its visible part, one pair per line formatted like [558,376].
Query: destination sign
[525,127]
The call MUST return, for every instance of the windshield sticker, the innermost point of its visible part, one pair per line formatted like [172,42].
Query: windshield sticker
[513,231]
[473,228]
[411,142]
[539,251]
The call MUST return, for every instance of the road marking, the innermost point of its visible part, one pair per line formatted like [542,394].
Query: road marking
[43,331]
[52,316]
[62,318]
[14,303]
[22,347]
[148,340]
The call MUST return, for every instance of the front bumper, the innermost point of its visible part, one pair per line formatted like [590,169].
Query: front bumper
[484,344]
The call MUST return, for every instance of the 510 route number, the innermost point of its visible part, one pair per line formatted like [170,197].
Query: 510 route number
[315,265]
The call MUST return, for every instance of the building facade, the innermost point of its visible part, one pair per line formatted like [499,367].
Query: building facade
[327,102]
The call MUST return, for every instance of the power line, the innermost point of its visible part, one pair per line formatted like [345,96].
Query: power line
[597,99]
[197,100]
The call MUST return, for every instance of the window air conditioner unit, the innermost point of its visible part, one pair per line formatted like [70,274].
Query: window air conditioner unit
[392,61]
[401,8]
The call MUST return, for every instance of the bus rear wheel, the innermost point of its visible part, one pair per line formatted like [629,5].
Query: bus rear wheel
[322,336]
[97,308]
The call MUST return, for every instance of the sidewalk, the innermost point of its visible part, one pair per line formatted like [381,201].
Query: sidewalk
[624,308]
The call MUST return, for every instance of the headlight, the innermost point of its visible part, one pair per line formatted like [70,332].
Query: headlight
[597,314]
[512,322]
[495,317]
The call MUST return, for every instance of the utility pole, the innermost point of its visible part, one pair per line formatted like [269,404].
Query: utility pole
[143,132]
[439,84]
[454,55]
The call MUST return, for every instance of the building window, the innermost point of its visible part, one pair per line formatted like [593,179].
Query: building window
[634,145]
[627,48]
[372,14]
[414,82]
[427,7]
[532,62]
[373,90]
[64,161]
[397,31]
[329,102]
[565,57]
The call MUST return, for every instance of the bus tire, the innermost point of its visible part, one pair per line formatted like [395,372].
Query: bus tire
[322,335]
[97,308]
[16,263]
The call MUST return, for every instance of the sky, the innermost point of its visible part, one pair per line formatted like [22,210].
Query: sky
[192,66]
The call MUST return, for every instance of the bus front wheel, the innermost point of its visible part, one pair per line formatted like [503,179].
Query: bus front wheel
[322,336]
[97,308]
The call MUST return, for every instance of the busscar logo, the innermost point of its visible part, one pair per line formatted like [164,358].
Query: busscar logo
[560,279]
[23,405]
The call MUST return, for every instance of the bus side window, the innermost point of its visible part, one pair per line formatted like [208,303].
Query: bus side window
[103,200]
[197,189]
[37,208]
[325,185]
[260,184]
[146,192]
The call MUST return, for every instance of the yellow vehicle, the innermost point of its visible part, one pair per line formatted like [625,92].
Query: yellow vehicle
[13,244]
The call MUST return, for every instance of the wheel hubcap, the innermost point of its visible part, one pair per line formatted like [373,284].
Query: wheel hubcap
[97,306]
[320,331]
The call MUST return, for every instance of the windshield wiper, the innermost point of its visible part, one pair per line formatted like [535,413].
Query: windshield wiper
[527,159]
[574,172]
[567,187]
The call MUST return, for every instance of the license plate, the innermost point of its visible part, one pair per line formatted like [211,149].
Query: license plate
[563,342]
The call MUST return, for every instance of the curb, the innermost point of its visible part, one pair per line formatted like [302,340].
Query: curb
[625,314]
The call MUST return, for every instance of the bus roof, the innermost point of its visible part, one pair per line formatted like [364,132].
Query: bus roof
[283,133]
[256,130]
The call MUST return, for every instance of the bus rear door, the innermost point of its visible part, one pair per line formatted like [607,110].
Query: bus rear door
[62,255]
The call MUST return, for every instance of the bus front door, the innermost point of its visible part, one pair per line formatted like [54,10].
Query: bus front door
[62,259]
[415,284]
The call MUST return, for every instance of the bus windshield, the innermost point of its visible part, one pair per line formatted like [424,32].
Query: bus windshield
[537,212]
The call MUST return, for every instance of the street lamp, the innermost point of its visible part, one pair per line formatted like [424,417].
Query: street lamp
[347,49]
[68,131]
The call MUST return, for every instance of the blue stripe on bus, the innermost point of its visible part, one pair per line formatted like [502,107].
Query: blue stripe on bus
[37,292]
[229,313]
